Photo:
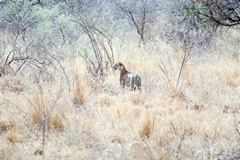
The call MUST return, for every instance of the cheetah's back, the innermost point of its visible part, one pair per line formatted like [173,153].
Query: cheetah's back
[135,81]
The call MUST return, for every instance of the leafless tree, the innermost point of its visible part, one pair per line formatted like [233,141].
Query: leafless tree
[139,13]
[27,48]
[88,16]
[185,35]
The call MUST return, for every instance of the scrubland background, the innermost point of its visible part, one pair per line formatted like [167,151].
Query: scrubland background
[56,104]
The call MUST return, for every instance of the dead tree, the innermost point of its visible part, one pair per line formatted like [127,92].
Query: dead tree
[139,13]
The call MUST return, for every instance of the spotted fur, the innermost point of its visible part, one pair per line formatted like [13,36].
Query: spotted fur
[128,79]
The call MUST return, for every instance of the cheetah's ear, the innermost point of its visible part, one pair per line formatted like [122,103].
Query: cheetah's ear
[120,63]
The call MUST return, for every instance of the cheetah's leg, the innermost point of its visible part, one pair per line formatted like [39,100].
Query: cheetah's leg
[122,84]
[132,84]
[138,84]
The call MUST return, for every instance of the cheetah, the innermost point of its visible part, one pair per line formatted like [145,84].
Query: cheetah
[128,79]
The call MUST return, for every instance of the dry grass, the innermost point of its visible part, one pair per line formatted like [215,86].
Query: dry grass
[98,120]
[79,99]
[146,130]
[41,105]
[12,83]
[11,137]
[6,126]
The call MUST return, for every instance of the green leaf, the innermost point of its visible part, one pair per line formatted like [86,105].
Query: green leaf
[186,7]
[205,8]
[205,20]
[210,12]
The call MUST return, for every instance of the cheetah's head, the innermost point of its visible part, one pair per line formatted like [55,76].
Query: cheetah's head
[118,66]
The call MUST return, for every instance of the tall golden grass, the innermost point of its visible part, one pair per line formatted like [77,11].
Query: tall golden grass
[199,119]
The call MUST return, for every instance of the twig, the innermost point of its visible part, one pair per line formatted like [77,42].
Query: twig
[180,144]
[236,123]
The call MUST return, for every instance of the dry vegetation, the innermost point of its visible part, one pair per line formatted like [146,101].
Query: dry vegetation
[98,120]
[55,104]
